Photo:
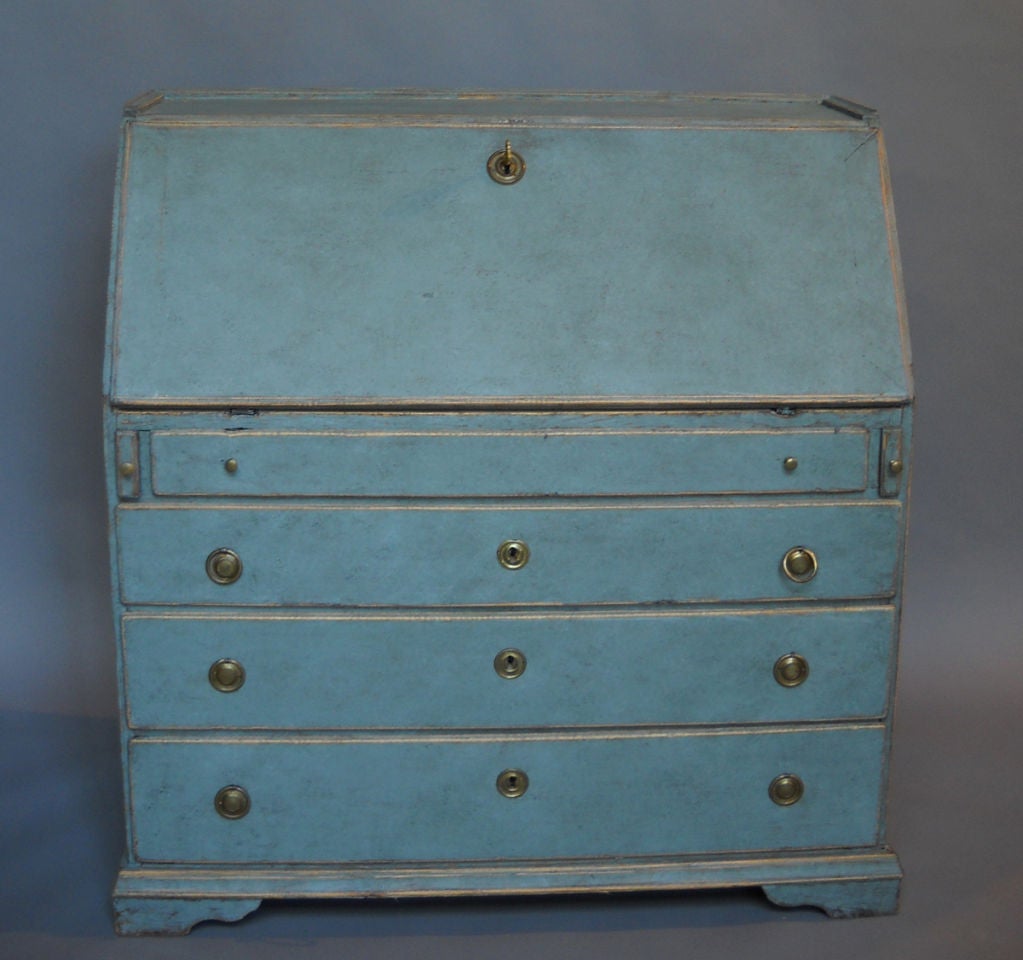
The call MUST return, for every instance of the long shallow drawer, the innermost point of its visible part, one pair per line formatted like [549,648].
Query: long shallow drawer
[420,556]
[509,463]
[437,798]
[700,667]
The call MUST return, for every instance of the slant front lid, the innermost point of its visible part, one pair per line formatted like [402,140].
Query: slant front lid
[352,250]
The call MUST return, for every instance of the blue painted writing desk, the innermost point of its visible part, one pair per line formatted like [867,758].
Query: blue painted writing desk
[508,495]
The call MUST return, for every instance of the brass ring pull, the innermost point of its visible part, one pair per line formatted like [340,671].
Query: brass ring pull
[512,783]
[227,676]
[786,789]
[791,670]
[223,566]
[513,554]
[506,166]
[232,802]
[800,564]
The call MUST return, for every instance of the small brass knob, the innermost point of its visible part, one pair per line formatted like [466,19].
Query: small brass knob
[513,554]
[791,670]
[231,466]
[506,166]
[227,676]
[127,469]
[800,564]
[232,802]
[790,464]
[512,783]
[786,789]
[510,664]
[895,467]
[223,566]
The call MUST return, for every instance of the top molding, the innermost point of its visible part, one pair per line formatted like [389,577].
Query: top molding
[505,108]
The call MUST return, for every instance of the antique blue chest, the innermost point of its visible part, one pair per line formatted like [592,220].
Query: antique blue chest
[507,495]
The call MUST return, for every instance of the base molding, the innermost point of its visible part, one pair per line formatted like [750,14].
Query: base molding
[154,899]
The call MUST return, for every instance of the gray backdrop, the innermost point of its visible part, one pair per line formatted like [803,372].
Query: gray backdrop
[946,75]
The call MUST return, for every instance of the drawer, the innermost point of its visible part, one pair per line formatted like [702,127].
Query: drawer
[421,798]
[448,555]
[507,463]
[388,672]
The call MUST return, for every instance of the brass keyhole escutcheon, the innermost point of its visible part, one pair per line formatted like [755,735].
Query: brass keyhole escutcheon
[786,789]
[227,676]
[800,564]
[512,783]
[506,166]
[791,670]
[223,566]
[510,663]
[232,802]
[513,554]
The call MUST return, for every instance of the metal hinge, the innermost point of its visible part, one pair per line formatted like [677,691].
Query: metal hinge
[851,108]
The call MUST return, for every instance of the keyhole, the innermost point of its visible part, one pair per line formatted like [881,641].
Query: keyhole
[512,783]
[513,554]
[506,166]
[510,664]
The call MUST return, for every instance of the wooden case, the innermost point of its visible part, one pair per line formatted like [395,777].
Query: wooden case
[508,495]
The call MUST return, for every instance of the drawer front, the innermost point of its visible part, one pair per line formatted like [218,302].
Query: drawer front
[706,667]
[504,464]
[437,799]
[420,556]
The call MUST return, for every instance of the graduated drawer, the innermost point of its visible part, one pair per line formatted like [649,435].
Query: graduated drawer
[423,798]
[699,667]
[447,555]
[507,463]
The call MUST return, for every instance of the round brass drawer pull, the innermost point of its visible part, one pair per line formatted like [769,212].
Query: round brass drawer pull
[791,670]
[506,166]
[786,789]
[227,675]
[512,783]
[232,802]
[513,554]
[223,566]
[510,664]
[800,564]
[790,464]
[231,466]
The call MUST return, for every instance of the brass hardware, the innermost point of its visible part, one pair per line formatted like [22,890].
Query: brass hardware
[126,457]
[800,564]
[510,664]
[786,789]
[227,676]
[506,166]
[512,783]
[513,554]
[791,670]
[232,802]
[223,566]
[231,466]
[890,463]
[790,464]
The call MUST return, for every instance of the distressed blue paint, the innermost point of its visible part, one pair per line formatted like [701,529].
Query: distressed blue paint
[438,671]
[348,263]
[513,463]
[436,799]
[619,353]
[416,556]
